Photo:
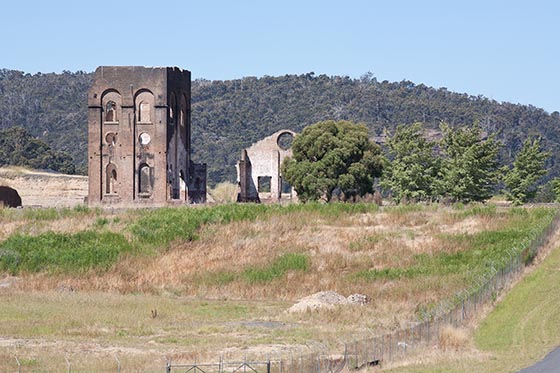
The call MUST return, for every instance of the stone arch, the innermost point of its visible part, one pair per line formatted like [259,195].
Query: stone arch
[111,103]
[144,179]
[144,104]
[111,112]
[111,179]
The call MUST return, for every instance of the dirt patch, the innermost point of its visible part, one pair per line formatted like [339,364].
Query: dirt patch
[45,189]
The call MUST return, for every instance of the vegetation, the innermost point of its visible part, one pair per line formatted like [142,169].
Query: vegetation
[461,167]
[332,156]
[528,167]
[19,148]
[228,116]
[42,246]
[56,252]
[413,170]
[234,272]
[517,333]
[470,167]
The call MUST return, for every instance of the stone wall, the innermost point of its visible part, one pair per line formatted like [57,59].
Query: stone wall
[139,132]
[258,172]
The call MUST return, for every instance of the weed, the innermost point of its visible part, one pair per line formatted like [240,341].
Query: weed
[283,264]
[101,222]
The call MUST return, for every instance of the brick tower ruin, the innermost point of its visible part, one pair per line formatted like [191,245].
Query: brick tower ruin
[139,136]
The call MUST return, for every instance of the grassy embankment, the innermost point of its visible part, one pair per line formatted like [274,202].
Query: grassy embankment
[521,329]
[232,271]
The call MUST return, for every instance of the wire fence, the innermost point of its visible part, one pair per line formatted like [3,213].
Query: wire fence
[397,345]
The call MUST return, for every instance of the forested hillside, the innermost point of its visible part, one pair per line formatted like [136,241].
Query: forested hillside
[230,115]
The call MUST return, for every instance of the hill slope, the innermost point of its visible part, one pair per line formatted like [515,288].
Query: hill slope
[230,115]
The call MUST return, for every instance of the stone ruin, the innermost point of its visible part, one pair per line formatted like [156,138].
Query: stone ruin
[139,135]
[258,171]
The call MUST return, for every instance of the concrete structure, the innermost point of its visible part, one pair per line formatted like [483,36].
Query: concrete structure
[258,172]
[139,129]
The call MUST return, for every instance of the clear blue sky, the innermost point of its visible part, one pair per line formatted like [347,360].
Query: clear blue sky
[504,50]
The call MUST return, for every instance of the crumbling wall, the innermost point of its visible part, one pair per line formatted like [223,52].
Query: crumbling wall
[258,171]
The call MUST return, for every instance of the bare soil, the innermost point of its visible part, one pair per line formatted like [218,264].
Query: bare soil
[45,189]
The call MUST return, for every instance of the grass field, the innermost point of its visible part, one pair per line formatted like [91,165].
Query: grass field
[202,282]
[519,331]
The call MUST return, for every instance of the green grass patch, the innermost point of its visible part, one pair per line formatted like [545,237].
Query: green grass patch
[48,214]
[163,226]
[520,331]
[259,275]
[158,228]
[479,253]
[57,252]
[277,269]
[219,278]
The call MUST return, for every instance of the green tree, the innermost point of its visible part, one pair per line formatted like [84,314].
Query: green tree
[556,188]
[527,169]
[470,169]
[413,171]
[332,155]
[19,148]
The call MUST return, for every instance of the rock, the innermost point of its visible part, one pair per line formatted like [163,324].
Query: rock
[358,299]
[322,299]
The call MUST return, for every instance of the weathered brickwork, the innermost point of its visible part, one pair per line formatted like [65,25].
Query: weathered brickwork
[139,129]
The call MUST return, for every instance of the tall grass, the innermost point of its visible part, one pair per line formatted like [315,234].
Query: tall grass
[476,253]
[158,228]
[277,269]
[57,252]
[150,231]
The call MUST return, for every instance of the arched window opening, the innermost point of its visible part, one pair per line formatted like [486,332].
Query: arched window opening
[144,179]
[111,179]
[144,112]
[111,112]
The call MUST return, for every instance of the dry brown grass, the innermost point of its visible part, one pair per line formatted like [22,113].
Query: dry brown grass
[191,274]
[224,192]
[336,248]
[452,338]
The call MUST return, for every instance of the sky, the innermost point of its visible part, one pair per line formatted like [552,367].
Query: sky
[503,50]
